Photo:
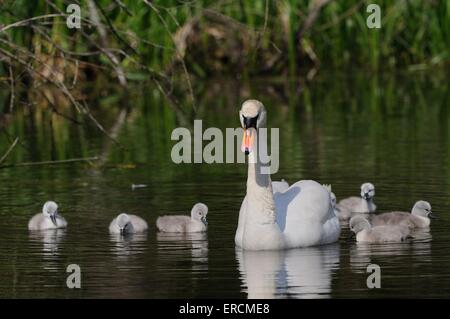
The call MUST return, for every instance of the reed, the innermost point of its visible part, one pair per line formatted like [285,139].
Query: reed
[414,33]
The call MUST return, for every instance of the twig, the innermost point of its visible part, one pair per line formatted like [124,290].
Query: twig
[75,76]
[113,133]
[24,22]
[123,7]
[112,28]
[313,13]
[100,127]
[56,45]
[84,109]
[343,16]
[9,150]
[178,53]
[266,18]
[57,82]
[71,160]
[94,16]
[11,139]
[11,101]
[55,110]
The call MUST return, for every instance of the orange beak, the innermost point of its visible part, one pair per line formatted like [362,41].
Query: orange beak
[247,141]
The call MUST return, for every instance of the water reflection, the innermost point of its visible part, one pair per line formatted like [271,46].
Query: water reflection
[185,245]
[125,247]
[50,240]
[297,273]
[363,254]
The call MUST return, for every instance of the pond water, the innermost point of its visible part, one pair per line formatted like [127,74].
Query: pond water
[392,130]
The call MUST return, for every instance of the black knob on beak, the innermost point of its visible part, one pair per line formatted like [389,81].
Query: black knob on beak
[250,121]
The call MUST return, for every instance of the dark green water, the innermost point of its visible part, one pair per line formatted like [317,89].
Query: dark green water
[390,130]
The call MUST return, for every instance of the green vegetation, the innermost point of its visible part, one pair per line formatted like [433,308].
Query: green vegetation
[70,77]
[233,36]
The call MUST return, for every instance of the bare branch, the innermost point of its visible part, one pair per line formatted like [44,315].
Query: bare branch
[100,127]
[113,29]
[70,160]
[11,76]
[179,55]
[26,21]
[2,159]
[123,7]
[313,13]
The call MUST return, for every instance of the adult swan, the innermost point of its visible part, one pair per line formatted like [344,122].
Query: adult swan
[273,215]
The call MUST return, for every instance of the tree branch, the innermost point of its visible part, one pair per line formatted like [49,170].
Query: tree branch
[3,158]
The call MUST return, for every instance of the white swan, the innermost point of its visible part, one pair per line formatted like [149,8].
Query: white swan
[127,224]
[185,224]
[298,216]
[48,219]
[363,204]
[418,218]
[377,234]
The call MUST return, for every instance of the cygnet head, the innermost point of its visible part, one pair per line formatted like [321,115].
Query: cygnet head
[199,212]
[367,191]
[123,222]
[422,208]
[252,116]
[50,209]
[358,223]
[333,200]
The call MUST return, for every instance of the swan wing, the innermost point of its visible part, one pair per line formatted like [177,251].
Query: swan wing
[350,203]
[331,231]
[391,218]
[238,238]
[172,224]
[279,186]
[386,233]
[302,214]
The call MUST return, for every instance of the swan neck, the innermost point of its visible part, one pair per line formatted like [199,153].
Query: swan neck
[255,176]
[261,205]
[369,203]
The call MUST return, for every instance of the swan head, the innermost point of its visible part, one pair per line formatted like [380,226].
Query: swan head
[124,223]
[367,191]
[50,209]
[422,208]
[252,116]
[199,212]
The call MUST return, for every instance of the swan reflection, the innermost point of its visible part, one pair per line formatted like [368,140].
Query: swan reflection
[362,254]
[50,240]
[184,246]
[297,273]
[125,247]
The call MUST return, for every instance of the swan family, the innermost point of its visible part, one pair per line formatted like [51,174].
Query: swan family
[273,214]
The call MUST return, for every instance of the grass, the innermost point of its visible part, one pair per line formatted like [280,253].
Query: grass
[235,36]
